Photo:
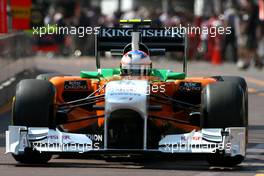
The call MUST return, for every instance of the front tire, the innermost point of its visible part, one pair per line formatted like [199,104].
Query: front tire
[223,106]
[33,107]
[240,81]
[32,157]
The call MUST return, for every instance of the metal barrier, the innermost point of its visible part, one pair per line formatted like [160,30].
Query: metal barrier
[15,52]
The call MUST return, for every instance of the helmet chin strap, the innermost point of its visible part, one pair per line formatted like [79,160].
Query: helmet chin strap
[135,40]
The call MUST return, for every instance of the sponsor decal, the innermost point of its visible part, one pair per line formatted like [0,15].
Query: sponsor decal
[190,86]
[193,138]
[65,137]
[127,32]
[184,138]
[95,137]
[75,85]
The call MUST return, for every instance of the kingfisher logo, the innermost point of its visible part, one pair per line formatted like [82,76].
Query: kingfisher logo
[148,32]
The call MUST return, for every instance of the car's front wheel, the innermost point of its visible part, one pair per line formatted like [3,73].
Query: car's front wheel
[223,106]
[33,107]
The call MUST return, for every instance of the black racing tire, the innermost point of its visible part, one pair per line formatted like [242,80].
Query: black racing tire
[222,106]
[33,157]
[226,161]
[33,103]
[48,76]
[33,107]
[242,82]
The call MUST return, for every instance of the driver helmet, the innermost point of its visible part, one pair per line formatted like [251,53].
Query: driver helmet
[136,63]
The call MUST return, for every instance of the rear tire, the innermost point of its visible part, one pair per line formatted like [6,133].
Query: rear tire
[223,105]
[33,107]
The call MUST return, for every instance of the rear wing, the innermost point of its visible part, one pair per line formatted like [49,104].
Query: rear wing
[168,39]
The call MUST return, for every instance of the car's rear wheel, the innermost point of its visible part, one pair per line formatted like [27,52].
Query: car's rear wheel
[223,105]
[33,107]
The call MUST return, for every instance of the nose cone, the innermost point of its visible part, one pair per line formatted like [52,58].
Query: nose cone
[126,94]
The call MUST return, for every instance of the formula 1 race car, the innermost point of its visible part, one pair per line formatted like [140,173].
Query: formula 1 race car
[133,108]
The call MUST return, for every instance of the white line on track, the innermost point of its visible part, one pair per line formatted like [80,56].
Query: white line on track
[207,174]
[7,82]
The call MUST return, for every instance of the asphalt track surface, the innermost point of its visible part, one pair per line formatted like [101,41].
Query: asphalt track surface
[253,165]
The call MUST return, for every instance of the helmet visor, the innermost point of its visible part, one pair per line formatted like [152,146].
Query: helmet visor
[136,70]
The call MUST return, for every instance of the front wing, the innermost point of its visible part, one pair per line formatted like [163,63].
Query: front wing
[231,141]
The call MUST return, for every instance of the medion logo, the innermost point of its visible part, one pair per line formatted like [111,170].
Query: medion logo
[95,137]
[127,32]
